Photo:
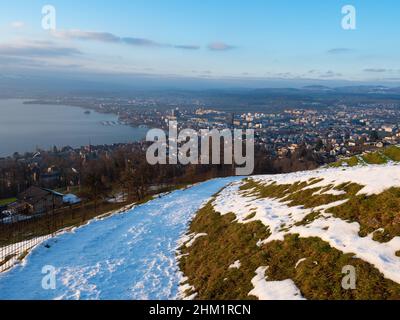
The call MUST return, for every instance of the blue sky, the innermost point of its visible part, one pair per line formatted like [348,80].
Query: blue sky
[257,39]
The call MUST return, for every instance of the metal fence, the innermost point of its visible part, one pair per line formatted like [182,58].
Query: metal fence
[20,233]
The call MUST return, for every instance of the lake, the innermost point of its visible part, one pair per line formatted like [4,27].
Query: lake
[24,127]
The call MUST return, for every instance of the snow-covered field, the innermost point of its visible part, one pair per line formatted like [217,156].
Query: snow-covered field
[131,255]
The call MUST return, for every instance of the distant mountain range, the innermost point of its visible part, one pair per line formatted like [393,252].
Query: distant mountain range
[47,83]
[334,90]
[356,89]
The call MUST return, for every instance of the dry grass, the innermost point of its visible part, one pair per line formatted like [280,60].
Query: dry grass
[391,153]
[318,277]
[374,213]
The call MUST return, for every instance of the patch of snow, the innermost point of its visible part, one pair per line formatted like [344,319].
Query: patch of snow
[299,262]
[14,218]
[118,198]
[333,192]
[375,178]
[183,288]
[235,265]
[273,290]
[191,242]
[190,239]
[71,199]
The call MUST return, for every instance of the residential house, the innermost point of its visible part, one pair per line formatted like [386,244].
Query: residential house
[37,200]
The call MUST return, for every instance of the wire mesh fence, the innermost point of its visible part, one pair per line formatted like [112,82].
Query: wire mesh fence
[20,233]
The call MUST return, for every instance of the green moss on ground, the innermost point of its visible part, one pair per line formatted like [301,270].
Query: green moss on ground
[393,153]
[374,158]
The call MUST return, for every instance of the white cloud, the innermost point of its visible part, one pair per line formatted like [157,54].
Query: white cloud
[220,46]
[17,24]
[36,49]
[109,37]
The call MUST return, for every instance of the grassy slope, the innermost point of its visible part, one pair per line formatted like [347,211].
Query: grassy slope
[381,211]
[391,153]
[206,263]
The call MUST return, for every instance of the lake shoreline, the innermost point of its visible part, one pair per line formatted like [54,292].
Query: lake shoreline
[26,126]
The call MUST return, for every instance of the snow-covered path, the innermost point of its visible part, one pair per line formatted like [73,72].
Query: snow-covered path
[125,256]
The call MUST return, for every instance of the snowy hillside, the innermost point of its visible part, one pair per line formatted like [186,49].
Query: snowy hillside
[348,215]
[268,237]
[126,256]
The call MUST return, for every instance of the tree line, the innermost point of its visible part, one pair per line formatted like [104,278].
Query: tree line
[97,174]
